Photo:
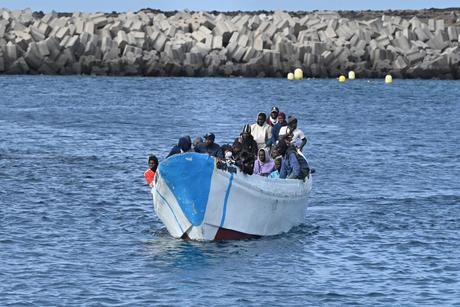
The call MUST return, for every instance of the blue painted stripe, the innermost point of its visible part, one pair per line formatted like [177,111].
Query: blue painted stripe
[164,199]
[227,194]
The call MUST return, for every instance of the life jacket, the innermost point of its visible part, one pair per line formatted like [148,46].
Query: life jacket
[149,176]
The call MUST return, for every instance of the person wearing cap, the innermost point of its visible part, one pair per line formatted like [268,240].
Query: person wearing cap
[209,147]
[262,132]
[273,118]
[281,122]
[298,137]
[149,174]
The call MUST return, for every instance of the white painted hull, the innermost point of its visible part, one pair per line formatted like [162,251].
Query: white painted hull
[233,203]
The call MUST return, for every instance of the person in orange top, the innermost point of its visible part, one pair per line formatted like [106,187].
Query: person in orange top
[150,173]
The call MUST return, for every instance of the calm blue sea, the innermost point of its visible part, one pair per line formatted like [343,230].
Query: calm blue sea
[77,225]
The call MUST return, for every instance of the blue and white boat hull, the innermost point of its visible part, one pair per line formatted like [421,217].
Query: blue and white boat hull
[196,200]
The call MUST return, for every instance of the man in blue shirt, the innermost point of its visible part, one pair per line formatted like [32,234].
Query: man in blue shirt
[290,167]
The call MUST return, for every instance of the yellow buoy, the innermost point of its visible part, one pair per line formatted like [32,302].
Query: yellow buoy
[351,75]
[342,78]
[298,74]
[388,79]
[290,76]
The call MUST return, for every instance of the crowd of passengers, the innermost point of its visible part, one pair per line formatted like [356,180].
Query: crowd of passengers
[270,147]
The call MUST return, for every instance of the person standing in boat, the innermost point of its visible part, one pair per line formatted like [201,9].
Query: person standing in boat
[277,127]
[261,131]
[264,164]
[149,174]
[273,118]
[298,137]
[209,147]
[184,145]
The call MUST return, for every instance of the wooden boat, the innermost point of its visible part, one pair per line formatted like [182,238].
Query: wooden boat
[196,200]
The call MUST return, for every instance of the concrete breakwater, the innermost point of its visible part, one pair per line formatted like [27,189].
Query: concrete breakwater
[153,43]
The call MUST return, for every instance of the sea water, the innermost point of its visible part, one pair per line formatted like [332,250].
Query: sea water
[77,225]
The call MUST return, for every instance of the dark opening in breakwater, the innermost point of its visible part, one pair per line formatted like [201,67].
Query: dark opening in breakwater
[406,44]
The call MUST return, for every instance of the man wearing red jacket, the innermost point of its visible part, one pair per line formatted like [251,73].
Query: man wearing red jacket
[150,173]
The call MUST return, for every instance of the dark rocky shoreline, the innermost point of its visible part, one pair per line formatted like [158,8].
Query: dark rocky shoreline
[406,43]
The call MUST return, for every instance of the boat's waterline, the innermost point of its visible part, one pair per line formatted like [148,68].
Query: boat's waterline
[197,201]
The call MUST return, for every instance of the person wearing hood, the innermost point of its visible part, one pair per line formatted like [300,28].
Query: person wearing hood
[209,147]
[273,118]
[261,131]
[184,145]
[264,164]
[248,144]
[277,127]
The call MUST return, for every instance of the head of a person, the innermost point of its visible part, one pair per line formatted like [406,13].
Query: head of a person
[282,146]
[289,135]
[209,139]
[261,118]
[281,118]
[275,152]
[275,112]
[261,155]
[278,162]
[246,132]
[185,143]
[236,148]
[153,162]
[197,140]
[292,122]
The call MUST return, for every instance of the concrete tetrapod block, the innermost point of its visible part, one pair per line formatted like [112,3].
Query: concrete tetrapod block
[43,48]
[217,42]
[11,52]
[33,57]
[121,39]
[452,33]
[160,42]
[438,41]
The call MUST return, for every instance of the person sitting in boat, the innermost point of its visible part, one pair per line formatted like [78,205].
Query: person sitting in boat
[276,172]
[290,167]
[277,127]
[273,118]
[261,131]
[245,162]
[149,174]
[264,164]
[184,145]
[209,147]
[248,144]
[298,137]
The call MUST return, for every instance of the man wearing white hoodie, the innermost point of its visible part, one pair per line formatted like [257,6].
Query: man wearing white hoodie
[262,132]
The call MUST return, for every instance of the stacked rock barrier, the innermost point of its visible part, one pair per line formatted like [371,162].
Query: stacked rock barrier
[414,44]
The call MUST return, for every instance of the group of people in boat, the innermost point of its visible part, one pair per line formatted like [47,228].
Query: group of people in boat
[270,147]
